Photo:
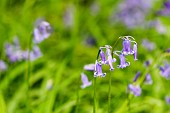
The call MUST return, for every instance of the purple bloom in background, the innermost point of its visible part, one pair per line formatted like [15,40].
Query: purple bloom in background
[13,51]
[89,67]
[148,45]
[85,81]
[166,10]
[133,12]
[137,76]
[123,62]
[147,63]
[135,89]
[167,99]
[165,71]
[35,53]
[135,51]
[98,70]
[110,60]
[68,17]
[168,50]
[41,31]
[3,66]
[148,79]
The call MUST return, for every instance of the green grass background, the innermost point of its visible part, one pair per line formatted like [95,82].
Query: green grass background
[65,53]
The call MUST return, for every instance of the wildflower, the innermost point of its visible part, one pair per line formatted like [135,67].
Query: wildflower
[167,99]
[126,47]
[68,17]
[137,76]
[147,63]
[148,79]
[3,66]
[135,89]
[102,56]
[166,10]
[13,51]
[35,54]
[98,70]
[85,81]
[135,51]
[89,67]
[110,60]
[165,71]
[123,62]
[41,31]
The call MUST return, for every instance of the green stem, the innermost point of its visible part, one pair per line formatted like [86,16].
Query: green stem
[77,101]
[94,95]
[109,93]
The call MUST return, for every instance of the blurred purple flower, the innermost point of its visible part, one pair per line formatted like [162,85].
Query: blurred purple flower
[135,89]
[168,50]
[42,31]
[68,17]
[35,53]
[3,66]
[148,45]
[167,99]
[166,10]
[157,24]
[165,71]
[147,63]
[89,67]
[85,81]
[137,76]
[133,12]
[98,70]
[148,79]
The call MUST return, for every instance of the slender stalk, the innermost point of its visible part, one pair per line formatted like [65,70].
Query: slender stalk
[94,95]
[109,93]
[78,97]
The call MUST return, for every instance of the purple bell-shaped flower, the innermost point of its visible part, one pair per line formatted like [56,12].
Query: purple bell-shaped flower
[98,70]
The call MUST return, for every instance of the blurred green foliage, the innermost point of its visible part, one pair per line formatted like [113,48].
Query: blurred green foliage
[65,53]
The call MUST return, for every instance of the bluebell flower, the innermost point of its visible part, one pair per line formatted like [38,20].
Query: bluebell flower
[166,10]
[165,71]
[41,31]
[3,66]
[147,63]
[135,89]
[167,99]
[89,67]
[110,60]
[148,79]
[85,81]
[98,70]
[135,51]
[122,59]
[35,53]
[102,56]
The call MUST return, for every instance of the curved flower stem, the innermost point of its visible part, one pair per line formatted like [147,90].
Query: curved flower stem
[94,95]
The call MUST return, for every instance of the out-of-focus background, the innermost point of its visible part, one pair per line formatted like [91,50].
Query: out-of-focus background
[51,83]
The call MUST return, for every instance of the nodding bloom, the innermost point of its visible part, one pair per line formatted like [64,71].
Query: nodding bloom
[89,67]
[165,71]
[35,53]
[123,62]
[110,60]
[102,56]
[85,81]
[135,51]
[166,10]
[13,51]
[137,76]
[135,89]
[41,31]
[167,99]
[148,79]
[3,66]
[98,70]
[147,63]
[127,45]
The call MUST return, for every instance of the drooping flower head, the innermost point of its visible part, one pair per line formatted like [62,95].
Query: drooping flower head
[165,71]
[89,67]
[85,81]
[135,89]
[135,51]
[166,10]
[148,79]
[98,70]
[122,59]
[102,56]
[148,44]
[137,76]
[42,31]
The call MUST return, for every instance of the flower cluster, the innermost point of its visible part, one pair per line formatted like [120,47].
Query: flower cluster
[106,57]
[166,10]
